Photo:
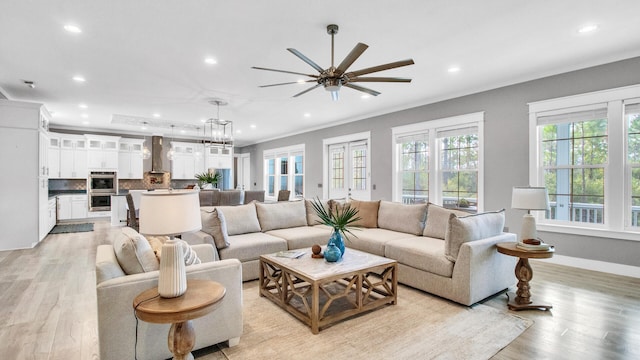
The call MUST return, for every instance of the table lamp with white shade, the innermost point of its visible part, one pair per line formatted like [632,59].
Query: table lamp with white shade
[529,198]
[170,213]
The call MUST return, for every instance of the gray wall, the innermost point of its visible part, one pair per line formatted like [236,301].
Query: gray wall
[506,147]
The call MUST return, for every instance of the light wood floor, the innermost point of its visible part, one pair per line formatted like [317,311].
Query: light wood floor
[47,306]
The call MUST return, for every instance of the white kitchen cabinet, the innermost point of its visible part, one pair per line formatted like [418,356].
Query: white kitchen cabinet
[54,156]
[218,158]
[24,188]
[71,207]
[130,159]
[53,213]
[102,152]
[73,156]
[187,161]
[118,210]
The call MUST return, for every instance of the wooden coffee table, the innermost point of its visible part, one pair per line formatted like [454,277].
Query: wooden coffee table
[320,293]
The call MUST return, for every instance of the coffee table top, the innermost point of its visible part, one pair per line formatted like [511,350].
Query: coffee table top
[317,269]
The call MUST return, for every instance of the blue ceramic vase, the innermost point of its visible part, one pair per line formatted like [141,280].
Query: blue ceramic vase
[332,253]
[337,240]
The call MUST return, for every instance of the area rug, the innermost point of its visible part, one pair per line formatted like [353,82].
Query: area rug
[420,326]
[71,228]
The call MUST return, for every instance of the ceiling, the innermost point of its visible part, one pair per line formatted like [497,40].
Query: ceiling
[146,57]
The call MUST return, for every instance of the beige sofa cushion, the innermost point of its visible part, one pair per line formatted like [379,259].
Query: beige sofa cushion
[408,219]
[304,236]
[248,247]
[134,253]
[367,212]
[437,220]
[422,253]
[312,218]
[215,224]
[470,228]
[241,219]
[281,215]
[373,240]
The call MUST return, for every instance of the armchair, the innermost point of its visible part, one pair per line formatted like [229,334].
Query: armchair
[116,322]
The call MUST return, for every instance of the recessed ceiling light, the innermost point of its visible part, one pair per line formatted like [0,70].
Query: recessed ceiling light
[307,115]
[238,131]
[210,61]
[84,116]
[252,126]
[203,120]
[79,78]
[182,131]
[301,81]
[143,127]
[453,69]
[72,29]
[82,106]
[588,28]
[156,115]
[86,123]
[365,96]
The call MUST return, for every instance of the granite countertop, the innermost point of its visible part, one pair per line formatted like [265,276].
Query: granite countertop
[53,193]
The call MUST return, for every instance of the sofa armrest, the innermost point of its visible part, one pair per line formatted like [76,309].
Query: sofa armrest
[205,252]
[201,237]
[485,270]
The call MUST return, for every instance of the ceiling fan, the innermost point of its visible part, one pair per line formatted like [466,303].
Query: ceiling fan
[334,78]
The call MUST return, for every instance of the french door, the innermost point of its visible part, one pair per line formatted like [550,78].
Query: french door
[348,170]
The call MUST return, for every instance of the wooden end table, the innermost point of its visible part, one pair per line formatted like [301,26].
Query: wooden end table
[521,300]
[201,298]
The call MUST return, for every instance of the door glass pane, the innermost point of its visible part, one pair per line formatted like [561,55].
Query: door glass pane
[359,161]
[337,169]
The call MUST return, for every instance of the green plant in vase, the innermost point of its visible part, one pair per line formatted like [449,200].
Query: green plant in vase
[208,178]
[341,219]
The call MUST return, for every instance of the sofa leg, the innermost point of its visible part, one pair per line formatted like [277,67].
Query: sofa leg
[234,341]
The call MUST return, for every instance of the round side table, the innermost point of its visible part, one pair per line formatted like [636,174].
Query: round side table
[521,300]
[201,298]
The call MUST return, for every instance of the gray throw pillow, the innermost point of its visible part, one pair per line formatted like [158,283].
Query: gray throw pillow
[214,224]
[437,219]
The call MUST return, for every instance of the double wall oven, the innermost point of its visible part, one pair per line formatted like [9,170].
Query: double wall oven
[101,185]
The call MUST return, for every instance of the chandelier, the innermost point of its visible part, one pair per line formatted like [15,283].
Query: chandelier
[220,131]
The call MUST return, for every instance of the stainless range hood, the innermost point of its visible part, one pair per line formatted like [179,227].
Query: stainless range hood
[156,155]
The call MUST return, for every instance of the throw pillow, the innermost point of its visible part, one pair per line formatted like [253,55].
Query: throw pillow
[471,228]
[241,219]
[190,256]
[312,217]
[281,215]
[214,224]
[156,243]
[367,212]
[134,253]
[408,219]
[437,220]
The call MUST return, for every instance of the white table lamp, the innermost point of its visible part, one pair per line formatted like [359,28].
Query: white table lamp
[170,213]
[529,198]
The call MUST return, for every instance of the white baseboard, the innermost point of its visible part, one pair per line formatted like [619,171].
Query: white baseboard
[602,266]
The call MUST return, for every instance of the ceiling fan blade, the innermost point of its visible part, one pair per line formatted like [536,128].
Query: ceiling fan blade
[378,79]
[306,91]
[287,83]
[306,59]
[284,71]
[388,66]
[353,56]
[363,89]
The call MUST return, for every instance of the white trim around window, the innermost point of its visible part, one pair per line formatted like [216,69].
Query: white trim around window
[433,130]
[289,152]
[617,189]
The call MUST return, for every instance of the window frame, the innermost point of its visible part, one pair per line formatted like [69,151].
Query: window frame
[432,128]
[276,154]
[616,221]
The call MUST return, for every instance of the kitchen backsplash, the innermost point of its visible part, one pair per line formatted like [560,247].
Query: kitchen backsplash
[150,181]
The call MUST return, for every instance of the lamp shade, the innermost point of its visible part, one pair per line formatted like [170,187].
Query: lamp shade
[530,198]
[169,212]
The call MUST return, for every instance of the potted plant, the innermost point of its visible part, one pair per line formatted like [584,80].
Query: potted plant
[207,180]
[341,219]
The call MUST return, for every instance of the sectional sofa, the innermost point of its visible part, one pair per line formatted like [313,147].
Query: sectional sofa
[444,252]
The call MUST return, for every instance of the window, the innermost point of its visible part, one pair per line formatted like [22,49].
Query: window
[585,150]
[439,161]
[284,170]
